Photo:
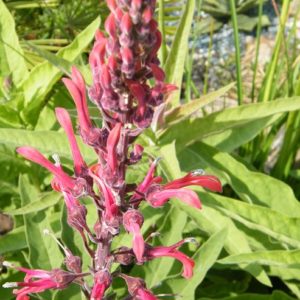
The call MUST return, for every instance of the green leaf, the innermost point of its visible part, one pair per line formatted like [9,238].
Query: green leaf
[42,77]
[252,187]
[204,259]
[12,61]
[13,241]
[276,295]
[184,111]
[279,258]
[174,66]
[230,139]
[9,117]
[273,224]
[48,142]
[191,130]
[45,201]
[43,250]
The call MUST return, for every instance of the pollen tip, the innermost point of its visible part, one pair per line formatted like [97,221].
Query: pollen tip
[56,159]
[191,240]
[46,231]
[7,264]
[8,285]
[157,160]
[198,172]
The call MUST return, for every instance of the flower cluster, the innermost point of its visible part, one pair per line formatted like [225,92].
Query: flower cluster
[122,64]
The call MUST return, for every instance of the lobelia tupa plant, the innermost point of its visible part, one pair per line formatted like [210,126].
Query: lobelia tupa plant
[122,64]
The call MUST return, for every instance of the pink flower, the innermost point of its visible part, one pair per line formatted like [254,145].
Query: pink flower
[193,178]
[34,155]
[157,194]
[171,251]
[76,87]
[147,182]
[112,143]
[111,209]
[160,197]
[133,221]
[64,120]
[102,280]
[137,288]
[144,294]
[37,281]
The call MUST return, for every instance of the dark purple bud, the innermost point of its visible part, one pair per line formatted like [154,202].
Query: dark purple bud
[73,263]
[124,256]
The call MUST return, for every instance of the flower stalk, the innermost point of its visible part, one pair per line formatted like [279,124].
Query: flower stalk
[123,61]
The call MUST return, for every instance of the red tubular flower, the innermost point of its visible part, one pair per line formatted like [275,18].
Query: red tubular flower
[76,87]
[137,288]
[160,197]
[64,120]
[133,221]
[194,178]
[102,280]
[37,281]
[157,195]
[111,146]
[111,209]
[171,251]
[34,155]
[147,182]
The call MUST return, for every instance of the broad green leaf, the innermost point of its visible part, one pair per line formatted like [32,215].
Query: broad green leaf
[230,139]
[252,187]
[279,258]
[48,142]
[209,220]
[62,64]
[191,130]
[204,259]
[16,239]
[72,292]
[42,77]
[276,295]
[7,188]
[44,201]
[43,250]
[12,61]
[174,66]
[271,223]
[13,241]
[9,117]
[184,111]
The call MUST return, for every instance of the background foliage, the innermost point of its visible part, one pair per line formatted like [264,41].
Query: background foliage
[249,235]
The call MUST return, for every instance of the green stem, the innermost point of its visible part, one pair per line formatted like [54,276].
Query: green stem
[257,47]
[237,51]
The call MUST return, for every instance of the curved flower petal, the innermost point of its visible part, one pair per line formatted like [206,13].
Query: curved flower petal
[160,197]
[64,120]
[207,181]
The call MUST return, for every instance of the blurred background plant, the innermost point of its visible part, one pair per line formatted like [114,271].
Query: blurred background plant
[235,114]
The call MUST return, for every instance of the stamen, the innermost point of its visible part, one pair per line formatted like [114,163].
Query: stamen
[191,240]
[7,264]
[56,159]
[8,285]
[156,161]
[198,172]
[47,232]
